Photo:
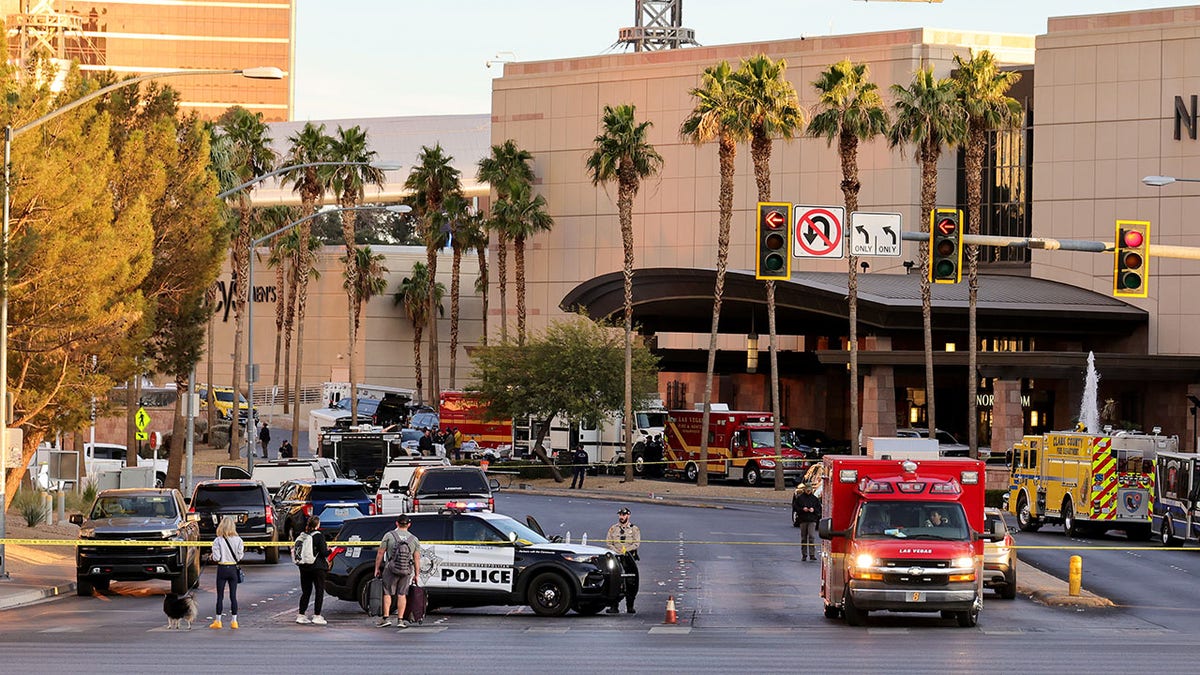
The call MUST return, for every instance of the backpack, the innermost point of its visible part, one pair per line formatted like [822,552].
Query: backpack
[400,562]
[302,550]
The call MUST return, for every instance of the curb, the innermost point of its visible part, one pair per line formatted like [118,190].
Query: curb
[694,502]
[33,595]
[1050,590]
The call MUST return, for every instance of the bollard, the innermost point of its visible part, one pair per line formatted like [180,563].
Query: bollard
[62,504]
[1075,576]
[48,508]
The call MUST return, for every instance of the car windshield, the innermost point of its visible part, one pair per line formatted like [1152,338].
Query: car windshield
[650,420]
[217,496]
[137,506]
[524,534]
[227,397]
[912,520]
[366,406]
[410,435]
[439,482]
[424,421]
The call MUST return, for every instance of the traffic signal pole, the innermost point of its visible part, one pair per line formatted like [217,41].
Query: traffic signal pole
[1082,245]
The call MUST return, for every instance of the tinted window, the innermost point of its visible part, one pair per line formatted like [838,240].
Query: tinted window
[506,525]
[214,496]
[472,529]
[424,421]
[366,530]
[338,492]
[453,481]
[429,529]
[142,506]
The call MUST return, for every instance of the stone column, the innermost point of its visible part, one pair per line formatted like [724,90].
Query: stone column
[878,394]
[1008,419]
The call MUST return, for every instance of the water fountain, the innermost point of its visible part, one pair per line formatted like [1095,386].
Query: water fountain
[1089,411]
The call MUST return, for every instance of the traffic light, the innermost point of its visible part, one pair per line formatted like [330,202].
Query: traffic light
[945,246]
[1131,276]
[774,243]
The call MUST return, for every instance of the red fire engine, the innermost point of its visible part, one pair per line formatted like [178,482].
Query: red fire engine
[465,412]
[741,446]
[903,536]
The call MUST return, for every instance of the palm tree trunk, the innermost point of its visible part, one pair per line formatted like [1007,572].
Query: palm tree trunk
[974,165]
[760,153]
[210,398]
[726,153]
[175,455]
[455,271]
[519,258]
[928,200]
[352,301]
[435,395]
[625,191]
[289,322]
[502,277]
[241,265]
[848,149]
[280,312]
[417,356]
[302,273]
[483,276]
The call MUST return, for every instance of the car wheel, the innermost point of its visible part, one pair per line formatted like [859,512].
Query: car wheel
[854,615]
[1168,534]
[639,464]
[967,619]
[1009,590]
[549,595]
[753,476]
[83,586]
[832,612]
[691,472]
[271,553]
[1025,519]
[589,608]
[1070,527]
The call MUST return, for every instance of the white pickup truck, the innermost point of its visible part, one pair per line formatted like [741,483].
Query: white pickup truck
[396,474]
[102,457]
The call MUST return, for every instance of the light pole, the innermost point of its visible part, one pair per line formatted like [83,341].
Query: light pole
[261,73]
[250,373]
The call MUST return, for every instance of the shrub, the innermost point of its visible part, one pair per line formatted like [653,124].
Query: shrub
[30,505]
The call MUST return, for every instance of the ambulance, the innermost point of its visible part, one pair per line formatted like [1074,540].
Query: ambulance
[902,535]
[1087,482]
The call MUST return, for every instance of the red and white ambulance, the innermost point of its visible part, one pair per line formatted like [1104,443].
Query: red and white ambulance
[904,536]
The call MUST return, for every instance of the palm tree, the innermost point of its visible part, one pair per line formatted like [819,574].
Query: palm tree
[506,168]
[308,145]
[370,277]
[850,110]
[280,259]
[524,215]
[432,181]
[983,95]
[623,154]
[250,156]
[290,243]
[771,108]
[471,235]
[413,296]
[928,117]
[466,233]
[349,146]
[716,116]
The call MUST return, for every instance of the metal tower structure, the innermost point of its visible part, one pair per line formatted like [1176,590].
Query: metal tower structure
[658,25]
[38,34]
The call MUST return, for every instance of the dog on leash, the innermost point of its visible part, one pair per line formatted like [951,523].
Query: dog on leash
[179,608]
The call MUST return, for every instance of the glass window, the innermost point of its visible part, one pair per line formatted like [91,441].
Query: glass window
[524,534]
[216,496]
[912,520]
[473,529]
[338,493]
[454,481]
[138,506]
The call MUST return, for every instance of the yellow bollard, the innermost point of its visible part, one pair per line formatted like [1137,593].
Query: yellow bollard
[1075,576]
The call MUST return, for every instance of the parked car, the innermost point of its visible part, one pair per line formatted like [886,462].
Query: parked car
[276,472]
[816,443]
[333,501]
[430,488]
[948,445]
[137,514]
[223,402]
[999,557]
[249,504]
[389,498]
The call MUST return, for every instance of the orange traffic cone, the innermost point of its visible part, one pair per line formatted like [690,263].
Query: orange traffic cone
[670,610]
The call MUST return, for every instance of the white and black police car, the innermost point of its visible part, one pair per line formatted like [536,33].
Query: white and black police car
[471,557]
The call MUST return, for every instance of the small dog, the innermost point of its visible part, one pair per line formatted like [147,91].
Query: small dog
[179,608]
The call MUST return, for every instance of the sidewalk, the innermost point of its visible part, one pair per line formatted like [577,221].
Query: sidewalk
[36,572]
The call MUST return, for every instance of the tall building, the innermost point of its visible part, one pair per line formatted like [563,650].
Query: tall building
[144,36]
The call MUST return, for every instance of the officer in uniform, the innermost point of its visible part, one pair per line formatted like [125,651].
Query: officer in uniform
[624,538]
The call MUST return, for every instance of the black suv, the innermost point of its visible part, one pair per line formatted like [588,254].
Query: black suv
[391,411]
[331,500]
[512,564]
[249,504]
[431,487]
[137,514]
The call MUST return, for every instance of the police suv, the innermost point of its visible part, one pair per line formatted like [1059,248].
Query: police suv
[471,557]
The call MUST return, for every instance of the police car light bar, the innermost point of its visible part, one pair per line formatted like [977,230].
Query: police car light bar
[461,507]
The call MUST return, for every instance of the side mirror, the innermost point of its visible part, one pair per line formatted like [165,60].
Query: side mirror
[394,487]
[494,484]
[403,490]
[825,529]
[76,518]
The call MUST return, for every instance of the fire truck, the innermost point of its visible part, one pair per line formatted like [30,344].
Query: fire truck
[741,446]
[1177,509]
[904,536]
[468,414]
[1087,482]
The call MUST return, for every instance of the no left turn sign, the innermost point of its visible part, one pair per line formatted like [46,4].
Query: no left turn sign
[819,232]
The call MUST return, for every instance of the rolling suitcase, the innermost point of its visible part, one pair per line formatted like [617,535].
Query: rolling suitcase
[414,610]
[374,593]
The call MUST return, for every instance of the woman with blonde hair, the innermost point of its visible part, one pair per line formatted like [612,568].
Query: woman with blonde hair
[227,552]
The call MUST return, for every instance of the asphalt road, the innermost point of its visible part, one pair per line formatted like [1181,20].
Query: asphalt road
[745,602]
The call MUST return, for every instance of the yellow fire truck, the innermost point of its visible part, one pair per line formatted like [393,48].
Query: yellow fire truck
[1087,482]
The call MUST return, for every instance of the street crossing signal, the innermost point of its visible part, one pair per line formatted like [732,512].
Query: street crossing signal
[773,260]
[945,246]
[1131,275]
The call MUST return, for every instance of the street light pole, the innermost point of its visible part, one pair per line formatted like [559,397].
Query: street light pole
[260,73]
[250,374]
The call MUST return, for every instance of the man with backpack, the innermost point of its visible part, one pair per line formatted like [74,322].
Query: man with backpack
[397,562]
[309,553]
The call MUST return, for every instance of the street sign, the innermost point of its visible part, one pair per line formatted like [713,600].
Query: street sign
[875,234]
[141,435]
[141,419]
[819,232]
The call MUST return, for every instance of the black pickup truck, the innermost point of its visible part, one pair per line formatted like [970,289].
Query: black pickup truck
[137,514]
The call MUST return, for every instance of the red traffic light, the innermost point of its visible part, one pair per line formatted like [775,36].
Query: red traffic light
[947,226]
[1132,238]
[774,219]
[1131,274]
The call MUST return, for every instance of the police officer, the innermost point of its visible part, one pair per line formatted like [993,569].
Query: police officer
[624,538]
[579,458]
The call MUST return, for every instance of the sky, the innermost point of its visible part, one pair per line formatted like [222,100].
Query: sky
[384,58]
